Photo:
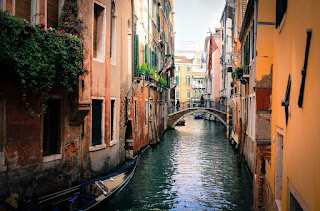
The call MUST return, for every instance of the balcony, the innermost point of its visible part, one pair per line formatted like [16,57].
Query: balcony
[223,93]
[173,82]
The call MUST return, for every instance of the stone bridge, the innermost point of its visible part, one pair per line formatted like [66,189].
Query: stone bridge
[190,107]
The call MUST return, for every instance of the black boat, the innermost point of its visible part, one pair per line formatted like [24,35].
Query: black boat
[90,193]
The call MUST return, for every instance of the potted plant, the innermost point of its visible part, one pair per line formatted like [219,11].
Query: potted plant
[144,68]
[153,73]
[237,73]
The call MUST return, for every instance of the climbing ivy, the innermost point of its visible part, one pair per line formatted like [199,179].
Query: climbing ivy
[41,59]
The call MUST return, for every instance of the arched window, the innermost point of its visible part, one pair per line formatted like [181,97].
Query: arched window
[177,79]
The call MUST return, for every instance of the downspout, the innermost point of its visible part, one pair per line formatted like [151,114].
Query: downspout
[255,42]
[132,62]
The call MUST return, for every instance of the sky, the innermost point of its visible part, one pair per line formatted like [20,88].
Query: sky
[193,18]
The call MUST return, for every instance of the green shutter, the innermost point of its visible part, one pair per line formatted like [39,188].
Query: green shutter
[158,23]
[146,53]
[136,54]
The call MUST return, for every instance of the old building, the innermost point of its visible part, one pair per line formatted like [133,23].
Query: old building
[78,136]
[227,51]
[293,180]
[152,91]
[252,86]
[213,73]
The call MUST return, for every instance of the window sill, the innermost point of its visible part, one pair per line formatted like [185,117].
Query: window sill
[113,142]
[98,60]
[97,147]
[52,157]
[279,204]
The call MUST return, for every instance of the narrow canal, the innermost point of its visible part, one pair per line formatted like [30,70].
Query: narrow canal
[193,167]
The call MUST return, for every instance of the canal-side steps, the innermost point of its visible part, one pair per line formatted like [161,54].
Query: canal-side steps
[178,112]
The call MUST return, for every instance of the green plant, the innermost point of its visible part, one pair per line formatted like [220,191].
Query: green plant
[157,77]
[41,59]
[153,72]
[144,68]
[68,19]
[237,73]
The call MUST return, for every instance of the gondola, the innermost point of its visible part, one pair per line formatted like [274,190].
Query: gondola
[91,193]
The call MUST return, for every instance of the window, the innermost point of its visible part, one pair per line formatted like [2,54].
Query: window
[52,127]
[96,122]
[146,112]
[188,69]
[52,13]
[135,115]
[178,68]
[188,94]
[188,80]
[177,80]
[281,8]
[98,32]
[177,94]
[113,33]
[294,204]
[136,54]
[113,120]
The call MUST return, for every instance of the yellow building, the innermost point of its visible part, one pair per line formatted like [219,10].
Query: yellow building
[190,78]
[294,170]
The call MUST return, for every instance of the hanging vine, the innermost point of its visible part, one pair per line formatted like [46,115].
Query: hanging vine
[42,59]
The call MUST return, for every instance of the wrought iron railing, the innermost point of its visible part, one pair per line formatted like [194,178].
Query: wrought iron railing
[206,104]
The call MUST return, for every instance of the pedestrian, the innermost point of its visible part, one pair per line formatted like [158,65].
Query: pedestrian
[201,100]
[178,104]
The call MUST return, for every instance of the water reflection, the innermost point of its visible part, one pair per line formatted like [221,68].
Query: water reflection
[193,168]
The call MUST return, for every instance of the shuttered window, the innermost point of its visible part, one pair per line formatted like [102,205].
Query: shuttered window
[281,9]
[113,120]
[52,12]
[136,54]
[23,8]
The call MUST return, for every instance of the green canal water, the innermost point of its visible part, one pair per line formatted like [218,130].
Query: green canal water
[193,168]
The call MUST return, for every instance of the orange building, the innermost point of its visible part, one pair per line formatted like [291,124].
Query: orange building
[293,173]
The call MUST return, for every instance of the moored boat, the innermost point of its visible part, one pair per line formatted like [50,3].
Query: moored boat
[90,193]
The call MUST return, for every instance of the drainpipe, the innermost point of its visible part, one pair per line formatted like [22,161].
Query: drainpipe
[255,42]
[132,62]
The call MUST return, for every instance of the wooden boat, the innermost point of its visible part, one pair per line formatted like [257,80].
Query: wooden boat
[198,116]
[90,193]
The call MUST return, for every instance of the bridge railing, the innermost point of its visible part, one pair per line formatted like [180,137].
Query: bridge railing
[198,104]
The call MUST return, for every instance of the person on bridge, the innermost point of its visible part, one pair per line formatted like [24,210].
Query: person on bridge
[178,105]
[201,101]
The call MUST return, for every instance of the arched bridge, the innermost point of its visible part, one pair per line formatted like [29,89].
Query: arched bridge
[177,113]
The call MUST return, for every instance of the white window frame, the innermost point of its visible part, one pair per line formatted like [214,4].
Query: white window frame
[177,90]
[102,52]
[146,107]
[114,129]
[103,145]
[188,84]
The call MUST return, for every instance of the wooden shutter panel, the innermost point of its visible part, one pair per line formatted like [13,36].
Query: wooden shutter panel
[23,8]
[52,11]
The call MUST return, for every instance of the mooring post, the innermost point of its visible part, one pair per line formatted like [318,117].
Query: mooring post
[228,120]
